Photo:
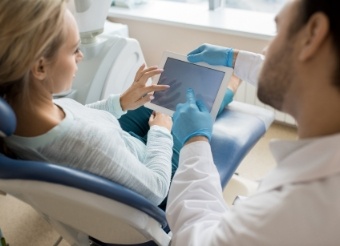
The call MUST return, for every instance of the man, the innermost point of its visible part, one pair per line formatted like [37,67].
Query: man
[298,203]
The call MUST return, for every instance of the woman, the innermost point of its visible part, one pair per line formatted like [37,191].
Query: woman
[39,52]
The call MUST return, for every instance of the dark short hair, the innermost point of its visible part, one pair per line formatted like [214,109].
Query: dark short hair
[331,9]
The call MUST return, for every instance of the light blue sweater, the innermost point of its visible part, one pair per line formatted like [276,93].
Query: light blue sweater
[92,140]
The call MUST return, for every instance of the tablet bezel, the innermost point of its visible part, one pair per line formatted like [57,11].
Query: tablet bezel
[221,91]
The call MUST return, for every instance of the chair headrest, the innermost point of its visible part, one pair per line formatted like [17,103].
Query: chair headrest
[7,119]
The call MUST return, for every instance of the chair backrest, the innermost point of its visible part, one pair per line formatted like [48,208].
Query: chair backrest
[79,203]
[7,119]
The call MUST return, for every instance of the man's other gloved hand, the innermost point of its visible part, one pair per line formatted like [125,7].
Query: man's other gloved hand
[213,55]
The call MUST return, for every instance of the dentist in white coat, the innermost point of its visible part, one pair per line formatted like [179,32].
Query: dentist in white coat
[298,203]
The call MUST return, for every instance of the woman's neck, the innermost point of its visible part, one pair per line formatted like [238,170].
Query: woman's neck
[36,113]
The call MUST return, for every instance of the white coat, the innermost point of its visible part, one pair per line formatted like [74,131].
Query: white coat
[298,203]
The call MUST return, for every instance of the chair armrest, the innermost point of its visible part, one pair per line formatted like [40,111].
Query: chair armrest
[236,130]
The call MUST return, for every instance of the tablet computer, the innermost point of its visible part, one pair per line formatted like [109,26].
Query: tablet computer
[208,82]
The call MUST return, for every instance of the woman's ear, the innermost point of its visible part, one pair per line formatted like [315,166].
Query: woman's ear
[39,69]
[316,32]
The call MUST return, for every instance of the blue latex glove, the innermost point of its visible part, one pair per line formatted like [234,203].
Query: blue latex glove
[191,118]
[228,98]
[213,55]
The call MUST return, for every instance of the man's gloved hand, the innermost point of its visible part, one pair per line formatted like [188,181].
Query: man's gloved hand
[213,55]
[191,119]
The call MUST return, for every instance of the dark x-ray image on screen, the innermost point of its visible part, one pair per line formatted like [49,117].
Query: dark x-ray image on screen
[182,75]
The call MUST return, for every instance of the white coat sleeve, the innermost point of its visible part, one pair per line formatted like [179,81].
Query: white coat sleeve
[198,215]
[248,66]
[191,199]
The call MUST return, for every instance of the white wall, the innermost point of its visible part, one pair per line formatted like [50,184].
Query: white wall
[155,38]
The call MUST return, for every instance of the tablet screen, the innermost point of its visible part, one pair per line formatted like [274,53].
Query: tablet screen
[181,75]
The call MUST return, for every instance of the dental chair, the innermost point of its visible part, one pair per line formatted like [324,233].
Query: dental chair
[86,209]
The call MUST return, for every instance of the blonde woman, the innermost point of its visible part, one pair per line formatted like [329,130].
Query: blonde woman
[39,52]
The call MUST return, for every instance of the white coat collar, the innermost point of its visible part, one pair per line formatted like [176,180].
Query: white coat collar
[303,161]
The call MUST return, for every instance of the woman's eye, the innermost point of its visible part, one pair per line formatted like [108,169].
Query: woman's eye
[77,51]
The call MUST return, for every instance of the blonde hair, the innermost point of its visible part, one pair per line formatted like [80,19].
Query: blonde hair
[29,30]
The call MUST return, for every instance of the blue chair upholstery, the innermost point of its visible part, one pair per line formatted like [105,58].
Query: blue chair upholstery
[8,121]
[86,208]
[235,132]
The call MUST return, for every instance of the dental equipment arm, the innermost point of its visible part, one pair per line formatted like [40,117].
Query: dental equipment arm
[90,16]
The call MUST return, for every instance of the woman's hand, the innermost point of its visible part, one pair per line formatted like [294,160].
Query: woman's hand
[160,119]
[139,93]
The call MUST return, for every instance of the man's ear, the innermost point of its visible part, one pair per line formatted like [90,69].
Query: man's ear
[315,33]
[39,69]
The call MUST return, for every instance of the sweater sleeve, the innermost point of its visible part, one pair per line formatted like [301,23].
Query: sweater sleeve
[111,104]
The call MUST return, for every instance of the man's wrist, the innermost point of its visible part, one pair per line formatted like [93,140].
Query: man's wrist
[235,57]
[230,57]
